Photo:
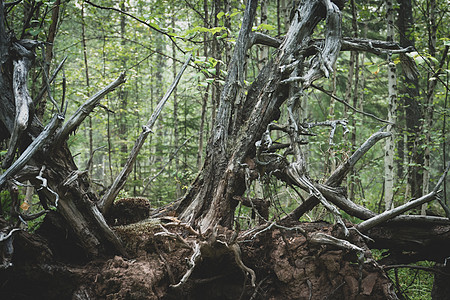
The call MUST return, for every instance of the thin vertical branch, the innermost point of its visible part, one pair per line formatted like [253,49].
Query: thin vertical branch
[107,200]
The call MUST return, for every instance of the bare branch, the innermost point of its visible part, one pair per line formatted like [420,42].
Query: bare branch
[387,215]
[50,80]
[171,37]
[31,150]
[86,109]
[320,238]
[108,198]
[347,104]
[258,38]
[335,180]
[339,174]
[373,46]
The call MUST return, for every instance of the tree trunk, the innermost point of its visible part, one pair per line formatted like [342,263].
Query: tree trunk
[389,171]
[412,109]
[50,168]
[242,119]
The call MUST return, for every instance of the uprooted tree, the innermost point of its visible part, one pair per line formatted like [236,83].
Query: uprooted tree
[280,258]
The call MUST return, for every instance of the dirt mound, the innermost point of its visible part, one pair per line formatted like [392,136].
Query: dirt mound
[128,210]
[291,267]
[286,262]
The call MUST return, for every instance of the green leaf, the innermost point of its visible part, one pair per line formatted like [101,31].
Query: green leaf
[374,69]
[34,31]
[220,15]
[265,27]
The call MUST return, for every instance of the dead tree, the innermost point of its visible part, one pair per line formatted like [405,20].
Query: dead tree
[43,156]
[241,142]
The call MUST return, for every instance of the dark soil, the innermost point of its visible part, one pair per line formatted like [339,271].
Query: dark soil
[286,264]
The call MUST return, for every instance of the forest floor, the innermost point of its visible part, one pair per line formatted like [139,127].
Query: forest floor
[163,252]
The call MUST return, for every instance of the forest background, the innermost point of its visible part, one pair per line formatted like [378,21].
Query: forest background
[151,39]
[151,46]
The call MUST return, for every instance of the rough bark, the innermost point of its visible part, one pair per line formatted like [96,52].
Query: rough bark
[241,120]
[46,160]
[411,104]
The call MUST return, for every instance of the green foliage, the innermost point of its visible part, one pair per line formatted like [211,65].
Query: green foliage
[416,284]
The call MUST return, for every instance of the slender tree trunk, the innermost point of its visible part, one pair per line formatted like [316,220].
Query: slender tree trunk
[88,85]
[413,111]
[389,170]
[428,110]
[175,120]
[352,93]
[123,94]
[49,54]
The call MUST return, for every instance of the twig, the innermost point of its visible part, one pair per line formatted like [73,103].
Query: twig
[42,92]
[348,105]
[140,21]
[165,165]
[325,239]
[86,109]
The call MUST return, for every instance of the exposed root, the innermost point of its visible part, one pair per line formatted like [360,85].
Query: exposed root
[237,256]
[195,258]
[325,239]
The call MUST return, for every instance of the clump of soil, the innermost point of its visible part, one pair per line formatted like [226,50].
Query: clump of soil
[290,267]
[128,210]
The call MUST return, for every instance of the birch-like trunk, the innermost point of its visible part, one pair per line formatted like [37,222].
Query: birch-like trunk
[389,171]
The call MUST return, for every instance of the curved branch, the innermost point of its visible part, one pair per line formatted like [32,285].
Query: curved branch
[329,189]
[140,21]
[348,105]
[322,63]
[387,215]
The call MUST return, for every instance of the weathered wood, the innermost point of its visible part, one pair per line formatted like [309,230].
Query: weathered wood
[33,148]
[387,215]
[77,118]
[76,199]
[335,179]
[412,238]
[23,104]
[210,200]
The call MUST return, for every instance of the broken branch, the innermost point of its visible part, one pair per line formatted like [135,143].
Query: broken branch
[82,112]
[387,215]
[31,150]
[107,200]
